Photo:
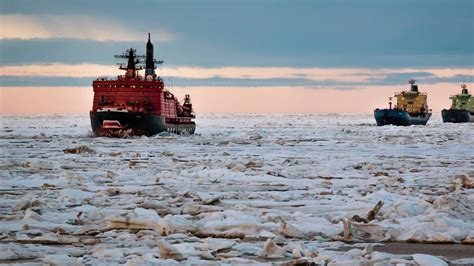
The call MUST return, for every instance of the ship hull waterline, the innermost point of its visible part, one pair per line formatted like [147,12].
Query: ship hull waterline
[135,124]
[399,118]
[457,116]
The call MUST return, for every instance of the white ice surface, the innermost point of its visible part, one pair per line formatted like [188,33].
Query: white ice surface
[239,178]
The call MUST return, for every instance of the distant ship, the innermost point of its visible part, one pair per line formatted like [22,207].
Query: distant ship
[411,109]
[462,108]
[132,104]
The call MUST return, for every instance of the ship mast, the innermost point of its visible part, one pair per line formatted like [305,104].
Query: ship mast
[464,89]
[413,86]
[149,64]
[133,61]
[150,61]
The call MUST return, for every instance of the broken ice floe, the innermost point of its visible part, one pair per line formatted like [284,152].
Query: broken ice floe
[247,189]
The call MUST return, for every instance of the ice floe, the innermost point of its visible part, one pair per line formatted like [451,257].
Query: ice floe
[252,188]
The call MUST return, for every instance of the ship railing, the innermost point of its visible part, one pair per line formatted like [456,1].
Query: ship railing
[124,77]
[137,77]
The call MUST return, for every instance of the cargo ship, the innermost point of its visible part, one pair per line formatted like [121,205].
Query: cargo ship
[132,104]
[411,109]
[462,108]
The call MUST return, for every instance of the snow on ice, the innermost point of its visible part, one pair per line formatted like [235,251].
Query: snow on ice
[244,189]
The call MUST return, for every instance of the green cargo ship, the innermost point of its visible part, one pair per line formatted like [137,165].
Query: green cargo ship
[462,108]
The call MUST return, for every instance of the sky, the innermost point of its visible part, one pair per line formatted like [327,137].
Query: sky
[239,56]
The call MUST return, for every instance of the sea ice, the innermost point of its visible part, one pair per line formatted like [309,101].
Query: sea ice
[245,188]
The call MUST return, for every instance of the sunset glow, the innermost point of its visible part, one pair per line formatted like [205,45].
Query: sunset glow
[231,99]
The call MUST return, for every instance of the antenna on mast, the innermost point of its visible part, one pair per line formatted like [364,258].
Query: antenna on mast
[464,90]
[413,87]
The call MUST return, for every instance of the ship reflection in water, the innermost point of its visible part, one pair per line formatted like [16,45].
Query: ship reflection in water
[132,104]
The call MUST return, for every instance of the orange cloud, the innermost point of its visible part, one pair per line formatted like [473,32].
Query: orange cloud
[315,74]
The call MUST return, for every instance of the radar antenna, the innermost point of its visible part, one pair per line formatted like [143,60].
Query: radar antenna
[413,87]
[463,86]
[134,60]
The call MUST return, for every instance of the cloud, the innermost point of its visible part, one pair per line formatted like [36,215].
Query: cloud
[72,26]
[313,74]
[257,74]
[60,70]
